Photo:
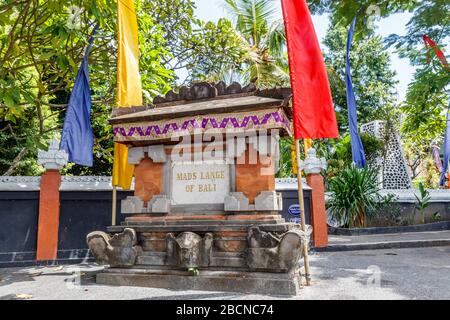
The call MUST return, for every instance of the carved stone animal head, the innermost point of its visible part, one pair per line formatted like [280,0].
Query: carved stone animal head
[189,246]
[98,243]
[189,250]
[118,250]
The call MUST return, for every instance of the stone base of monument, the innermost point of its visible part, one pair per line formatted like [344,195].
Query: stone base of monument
[237,253]
[206,280]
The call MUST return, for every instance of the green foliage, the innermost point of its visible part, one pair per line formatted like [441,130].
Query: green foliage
[341,157]
[285,163]
[427,95]
[373,79]
[431,18]
[343,11]
[436,217]
[372,147]
[203,50]
[264,41]
[17,137]
[41,47]
[354,194]
[424,110]
[221,52]
[387,211]
[427,174]
[423,201]
[286,149]
[194,271]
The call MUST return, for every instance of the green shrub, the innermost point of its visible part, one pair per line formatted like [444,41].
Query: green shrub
[388,211]
[423,201]
[372,147]
[354,194]
[341,156]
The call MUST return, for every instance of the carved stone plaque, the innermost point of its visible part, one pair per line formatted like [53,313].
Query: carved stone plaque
[199,183]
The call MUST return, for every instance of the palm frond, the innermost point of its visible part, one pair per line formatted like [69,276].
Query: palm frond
[251,17]
[276,39]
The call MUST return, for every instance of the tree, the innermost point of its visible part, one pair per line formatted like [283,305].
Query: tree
[201,49]
[264,39]
[373,79]
[41,46]
[343,11]
[423,111]
[426,100]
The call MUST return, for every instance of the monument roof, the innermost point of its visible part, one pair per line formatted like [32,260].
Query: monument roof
[205,106]
[203,98]
[231,104]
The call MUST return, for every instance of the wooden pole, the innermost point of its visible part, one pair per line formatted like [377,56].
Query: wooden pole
[302,211]
[114,201]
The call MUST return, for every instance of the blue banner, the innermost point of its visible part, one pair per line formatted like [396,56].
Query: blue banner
[357,148]
[77,137]
[446,148]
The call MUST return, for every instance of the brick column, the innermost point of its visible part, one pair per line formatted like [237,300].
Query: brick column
[312,167]
[48,222]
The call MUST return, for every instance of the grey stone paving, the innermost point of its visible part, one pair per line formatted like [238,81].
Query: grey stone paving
[420,273]
[412,236]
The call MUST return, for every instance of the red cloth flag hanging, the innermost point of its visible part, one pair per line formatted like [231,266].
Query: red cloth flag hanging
[430,43]
[312,104]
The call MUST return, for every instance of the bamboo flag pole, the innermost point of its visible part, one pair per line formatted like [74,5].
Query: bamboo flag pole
[302,211]
[114,202]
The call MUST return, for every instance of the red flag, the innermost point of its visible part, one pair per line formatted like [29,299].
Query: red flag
[439,53]
[312,104]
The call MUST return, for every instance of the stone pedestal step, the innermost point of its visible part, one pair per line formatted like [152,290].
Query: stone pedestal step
[245,282]
[206,226]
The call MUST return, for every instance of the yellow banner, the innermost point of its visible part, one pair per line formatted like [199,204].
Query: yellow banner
[122,171]
[129,87]
[307,143]
[294,158]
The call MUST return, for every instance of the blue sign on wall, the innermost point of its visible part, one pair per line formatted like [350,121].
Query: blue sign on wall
[294,210]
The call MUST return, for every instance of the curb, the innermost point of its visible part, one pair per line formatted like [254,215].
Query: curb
[385,245]
[434,226]
[46,263]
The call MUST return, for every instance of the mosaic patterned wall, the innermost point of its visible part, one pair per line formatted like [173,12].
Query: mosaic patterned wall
[393,173]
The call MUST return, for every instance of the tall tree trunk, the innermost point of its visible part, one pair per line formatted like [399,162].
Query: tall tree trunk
[15,162]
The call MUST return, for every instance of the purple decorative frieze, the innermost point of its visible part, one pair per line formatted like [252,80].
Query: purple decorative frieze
[206,122]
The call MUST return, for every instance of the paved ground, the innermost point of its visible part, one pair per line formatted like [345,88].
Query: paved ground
[388,241]
[420,273]
[412,236]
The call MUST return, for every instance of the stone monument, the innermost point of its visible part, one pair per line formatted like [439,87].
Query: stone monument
[392,167]
[205,214]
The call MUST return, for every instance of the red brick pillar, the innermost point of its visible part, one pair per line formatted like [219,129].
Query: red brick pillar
[312,167]
[318,211]
[48,222]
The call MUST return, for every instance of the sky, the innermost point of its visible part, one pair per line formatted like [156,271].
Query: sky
[212,10]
